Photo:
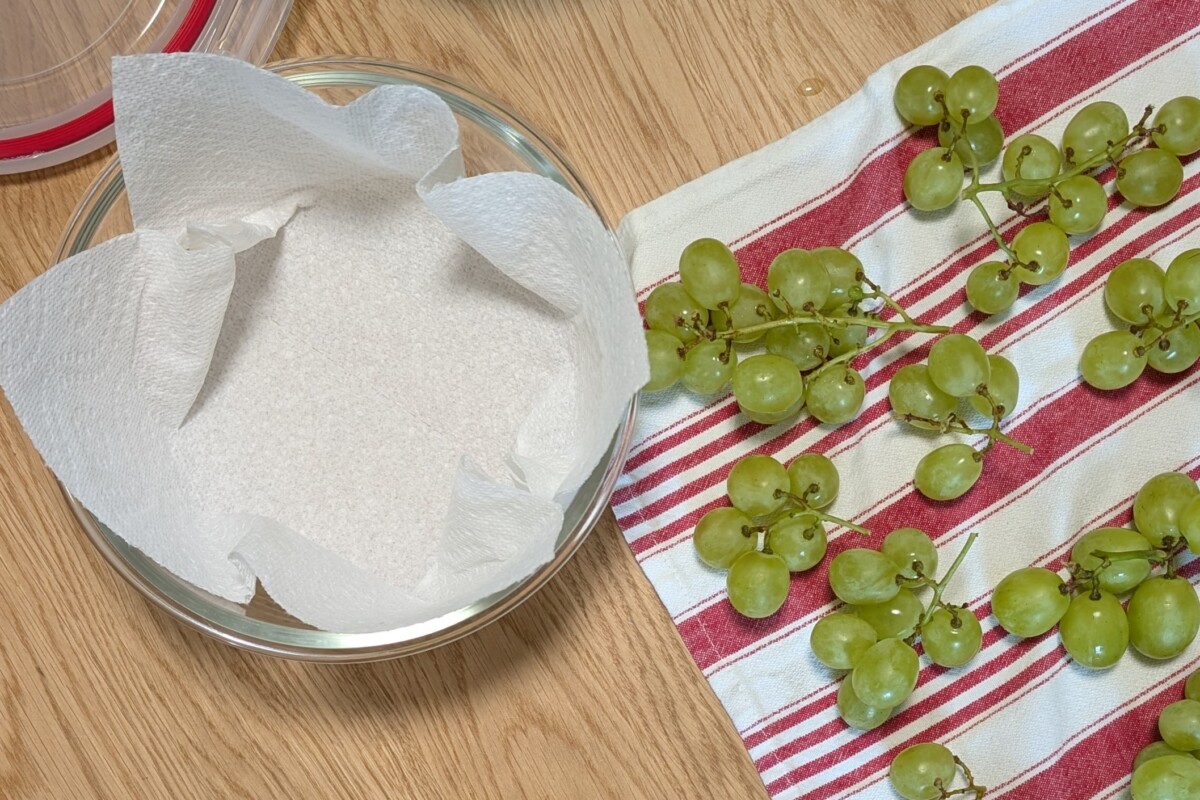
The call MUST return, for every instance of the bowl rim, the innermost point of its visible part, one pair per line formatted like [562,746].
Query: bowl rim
[109,184]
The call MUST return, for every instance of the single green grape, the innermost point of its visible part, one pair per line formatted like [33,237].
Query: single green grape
[1093,130]
[799,539]
[922,771]
[958,365]
[1030,601]
[1164,615]
[1179,725]
[916,95]
[1035,158]
[1156,750]
[1149,177]
[906,546]
[836,394]
[893,619]
[857,714]
[992,287]
[1175,351]
[666,363]
[843,268]
[1167,778]
[757,584]
[768,388]
[721,537]
[912,392]
[1078,204]
[948,472]
[1113,360]
[886,674]
[815,478]
[709,272]
[1180,117]
[805,344]
[1118,577]
[752,307]
[1182,282]
[972,94]
[984,140]
[1043,250]
[1095,630]
[1134,290]
[860,577]
[846,339]
[1159,504]
[1004,385]
[933,179]
[840,640]
[1191,688]
[669,303]
[797,281]
[951,639]
[757,485]
[708,366]
[1189,523]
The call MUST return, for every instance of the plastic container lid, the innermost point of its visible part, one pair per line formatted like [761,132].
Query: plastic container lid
[56,56]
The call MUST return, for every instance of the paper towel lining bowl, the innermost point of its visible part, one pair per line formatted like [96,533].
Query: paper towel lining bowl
[493,139]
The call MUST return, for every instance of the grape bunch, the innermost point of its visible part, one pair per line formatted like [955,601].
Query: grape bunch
[1162,311]
[927,396]
[1163,613]
[800,335]
[873,635]
[927,771]
[774,527]
[1033,168]
[1168,768]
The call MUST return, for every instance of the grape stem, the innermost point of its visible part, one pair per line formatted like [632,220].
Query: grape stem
[953,424]
[798,503]
[940,586]
[972,787]
[840,322]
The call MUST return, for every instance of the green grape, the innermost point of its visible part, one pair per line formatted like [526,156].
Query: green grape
[840,640]
[757,485]
[1191,689]
[721,538]
[1156,750]
[835,395]
[893,619]
[948,644]
[972,94]
[1164,615]
[916,95]
[847,339]
[1095,631]
[948,472]
[1179,725]
[670,302]
[886,674]
[708,366]
[983,139]
[1134,290]
[709,272]
[1004,385]
[1175,351]
[857,714]
[922,771]
[992,288]
[757,584]
[815,478]
[1118,577]
[958,365]
[912,392]
[1040,163]
[860,577]
[665,362]
[1043,250]
[1181,119]
[1078,204]
[1093,130]
[1149,177]
[933,179]
[768,388]
[843,268]
[1182,283]
[752,307]
[805,344]
[1159,504]
[799,539]
[1030,601]
[1167,778]
[905,546]
[1189,523]
[1113,360]
[798,281]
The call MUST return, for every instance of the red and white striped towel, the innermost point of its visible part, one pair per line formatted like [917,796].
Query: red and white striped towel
[1029,722]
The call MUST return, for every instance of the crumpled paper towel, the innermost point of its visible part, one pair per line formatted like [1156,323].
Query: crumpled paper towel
[325,359]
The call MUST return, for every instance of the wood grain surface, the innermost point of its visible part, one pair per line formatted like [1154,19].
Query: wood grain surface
[586,690]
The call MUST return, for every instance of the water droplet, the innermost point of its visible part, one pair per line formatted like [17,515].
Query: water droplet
[811,86]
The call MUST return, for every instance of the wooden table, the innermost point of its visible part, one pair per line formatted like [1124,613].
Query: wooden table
[585,691]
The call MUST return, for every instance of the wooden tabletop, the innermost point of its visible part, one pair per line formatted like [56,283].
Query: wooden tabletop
[586,690]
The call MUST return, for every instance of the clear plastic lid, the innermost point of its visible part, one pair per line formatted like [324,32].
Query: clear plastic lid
[56,56]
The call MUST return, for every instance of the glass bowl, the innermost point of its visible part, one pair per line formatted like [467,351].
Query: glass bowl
[493,139]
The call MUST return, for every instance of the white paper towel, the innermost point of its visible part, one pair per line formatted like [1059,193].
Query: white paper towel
[325,359]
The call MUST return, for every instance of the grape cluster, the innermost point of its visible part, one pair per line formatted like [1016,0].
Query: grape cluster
[1163,613]
[873,635]
[1033,169]
[928,396]
[927,771]
[1168,768]
[811,321]
[775,527]
[1162,311]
